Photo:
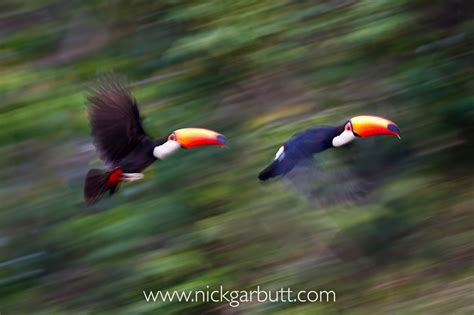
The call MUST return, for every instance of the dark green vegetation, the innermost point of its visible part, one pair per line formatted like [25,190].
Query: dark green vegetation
[257,71]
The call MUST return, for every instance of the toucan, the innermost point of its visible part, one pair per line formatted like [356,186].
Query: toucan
[123,144]
[304,145]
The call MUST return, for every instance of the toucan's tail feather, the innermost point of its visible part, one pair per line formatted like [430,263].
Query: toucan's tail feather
[97,183]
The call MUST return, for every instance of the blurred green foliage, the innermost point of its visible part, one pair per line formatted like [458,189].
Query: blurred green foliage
[257,71]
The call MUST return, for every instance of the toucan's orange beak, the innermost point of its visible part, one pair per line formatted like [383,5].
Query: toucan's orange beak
[366,126]
[196,137]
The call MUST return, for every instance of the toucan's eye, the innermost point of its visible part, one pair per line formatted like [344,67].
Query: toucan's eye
[348,127]
[172,137]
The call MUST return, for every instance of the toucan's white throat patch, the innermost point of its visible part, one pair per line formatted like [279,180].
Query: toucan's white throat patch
[345,137]
[166,149]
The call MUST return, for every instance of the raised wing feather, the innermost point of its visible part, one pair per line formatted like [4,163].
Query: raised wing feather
[114,119]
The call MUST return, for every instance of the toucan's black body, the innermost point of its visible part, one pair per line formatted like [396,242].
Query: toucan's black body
[141,156]
[300,147]
[116,128]
[118,137]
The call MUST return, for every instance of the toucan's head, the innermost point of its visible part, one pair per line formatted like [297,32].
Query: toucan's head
[188,138]
[365,126]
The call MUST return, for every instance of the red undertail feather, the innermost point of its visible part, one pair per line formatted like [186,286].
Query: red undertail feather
[98,182]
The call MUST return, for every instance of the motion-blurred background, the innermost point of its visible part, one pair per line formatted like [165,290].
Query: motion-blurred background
[399,242]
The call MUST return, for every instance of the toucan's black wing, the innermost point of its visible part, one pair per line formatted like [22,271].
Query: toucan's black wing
[285,160]
[299,149]
[114,119]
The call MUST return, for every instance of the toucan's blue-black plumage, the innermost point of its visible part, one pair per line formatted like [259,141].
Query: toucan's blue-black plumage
[300,147]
